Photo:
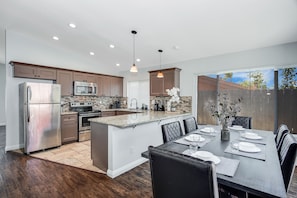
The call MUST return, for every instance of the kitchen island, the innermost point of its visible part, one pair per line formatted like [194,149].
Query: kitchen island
[118,141]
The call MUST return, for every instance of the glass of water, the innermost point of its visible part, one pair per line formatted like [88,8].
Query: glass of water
[193,146]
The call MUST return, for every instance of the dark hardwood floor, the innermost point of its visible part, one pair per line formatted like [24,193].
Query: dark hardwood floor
[24,176]
[2,136]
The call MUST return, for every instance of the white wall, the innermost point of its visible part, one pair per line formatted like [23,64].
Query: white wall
[2,94]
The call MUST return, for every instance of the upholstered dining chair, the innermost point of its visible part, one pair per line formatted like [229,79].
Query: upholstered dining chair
[287,156]
[245,122]
[282,130]
[176,175]
[171,131]
[190,124]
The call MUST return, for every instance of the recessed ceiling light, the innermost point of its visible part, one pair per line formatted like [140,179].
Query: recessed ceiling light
[175,47]
[118,64]
[56,38]
[92,53]
[72,25]
[111,46]
[138,60]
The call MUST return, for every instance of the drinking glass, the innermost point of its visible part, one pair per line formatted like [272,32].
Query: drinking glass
[193,146]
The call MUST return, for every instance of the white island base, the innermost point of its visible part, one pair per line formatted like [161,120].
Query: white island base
[117,150]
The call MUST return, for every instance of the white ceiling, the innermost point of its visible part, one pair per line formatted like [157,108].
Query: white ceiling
[200,28]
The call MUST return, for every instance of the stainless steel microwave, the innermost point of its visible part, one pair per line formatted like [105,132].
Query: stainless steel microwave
[84,88]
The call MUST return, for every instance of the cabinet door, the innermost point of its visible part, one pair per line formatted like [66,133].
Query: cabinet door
[47,73]
[168,80]
[108,113]
[106,84]
[64,78]
[116,86]
[84,77]
[24,71]
[79,76]
[91,78]
[156,85]
[99,82]
[69,131]
[27,71]
[123,112]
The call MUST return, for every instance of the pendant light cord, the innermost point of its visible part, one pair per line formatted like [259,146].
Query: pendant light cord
[134,32]
[160,57]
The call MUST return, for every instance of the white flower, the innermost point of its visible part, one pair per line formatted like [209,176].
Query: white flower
[173,93]
[224,109]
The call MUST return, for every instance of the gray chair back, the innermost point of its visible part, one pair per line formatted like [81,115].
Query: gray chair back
[171,131]
[175,175]
[245,122]
[282,130]
[287,156]
[190,124]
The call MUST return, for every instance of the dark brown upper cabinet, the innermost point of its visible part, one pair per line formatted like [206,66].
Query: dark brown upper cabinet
[23,70]
[84,77]
[65,78]
[171,79]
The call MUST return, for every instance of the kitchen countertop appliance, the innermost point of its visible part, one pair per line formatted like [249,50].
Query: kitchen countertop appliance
[85,112]
[40,108]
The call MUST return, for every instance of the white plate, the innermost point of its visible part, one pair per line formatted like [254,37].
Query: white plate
[237,128]
[207,130]
[195,137]
[252,136]
[206,156]
[248,147]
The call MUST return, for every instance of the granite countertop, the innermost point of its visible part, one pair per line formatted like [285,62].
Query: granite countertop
[130,110]
[68,112]
[131,120]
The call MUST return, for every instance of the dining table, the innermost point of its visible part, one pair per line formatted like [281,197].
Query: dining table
[257,172]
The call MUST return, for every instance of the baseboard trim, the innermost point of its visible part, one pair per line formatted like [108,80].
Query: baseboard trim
[14,147]
[127,167]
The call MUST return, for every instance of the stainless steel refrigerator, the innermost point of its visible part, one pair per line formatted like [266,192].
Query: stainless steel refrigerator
[40,108]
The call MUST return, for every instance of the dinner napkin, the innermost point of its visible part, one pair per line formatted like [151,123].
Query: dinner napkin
[227,166]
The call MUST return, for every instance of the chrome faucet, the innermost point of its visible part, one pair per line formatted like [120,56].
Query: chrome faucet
[135,102]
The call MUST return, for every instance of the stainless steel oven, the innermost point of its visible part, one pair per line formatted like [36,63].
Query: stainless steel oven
[85,112]
[83,120]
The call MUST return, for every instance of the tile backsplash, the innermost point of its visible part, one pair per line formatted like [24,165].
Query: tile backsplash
[185,104]
[99,102]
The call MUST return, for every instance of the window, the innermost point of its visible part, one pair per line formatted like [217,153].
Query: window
[140,91]
[287,98]
[261,101]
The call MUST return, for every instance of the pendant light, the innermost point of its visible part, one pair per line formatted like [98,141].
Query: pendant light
[160,74]
[133,67]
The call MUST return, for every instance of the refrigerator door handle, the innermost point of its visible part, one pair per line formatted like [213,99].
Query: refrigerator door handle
[28,99]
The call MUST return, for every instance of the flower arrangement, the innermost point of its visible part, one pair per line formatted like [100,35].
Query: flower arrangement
[174,97]
[225,109]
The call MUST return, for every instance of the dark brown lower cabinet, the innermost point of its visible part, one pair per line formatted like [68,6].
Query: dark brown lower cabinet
[69,131]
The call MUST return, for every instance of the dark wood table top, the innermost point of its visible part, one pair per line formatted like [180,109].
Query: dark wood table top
[259,177]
